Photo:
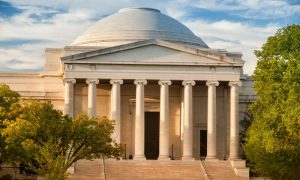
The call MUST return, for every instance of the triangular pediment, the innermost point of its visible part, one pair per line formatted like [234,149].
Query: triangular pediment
[152,52]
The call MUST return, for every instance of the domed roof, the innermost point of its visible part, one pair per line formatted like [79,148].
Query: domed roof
[136,24]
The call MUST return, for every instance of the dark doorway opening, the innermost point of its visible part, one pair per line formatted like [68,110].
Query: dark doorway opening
[203,143]
[151,135]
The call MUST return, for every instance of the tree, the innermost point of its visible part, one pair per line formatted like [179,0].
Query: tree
[245,123]
[50,142]
[273,139]
[9,103]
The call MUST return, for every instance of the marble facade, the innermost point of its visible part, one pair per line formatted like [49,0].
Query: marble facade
[192,87]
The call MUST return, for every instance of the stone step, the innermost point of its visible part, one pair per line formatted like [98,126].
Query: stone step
[153,169]
[238,163]
[242,171]
[156,169]
[85,169]
[240,168]
[218,169]
[78,177]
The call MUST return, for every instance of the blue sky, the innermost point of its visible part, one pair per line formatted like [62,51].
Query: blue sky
[28,27]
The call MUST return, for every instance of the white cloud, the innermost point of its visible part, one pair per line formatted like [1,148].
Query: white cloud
[253,9]
[26,56]
[58,31]
[71,19]
[23,27]
[218,5]
[174,12]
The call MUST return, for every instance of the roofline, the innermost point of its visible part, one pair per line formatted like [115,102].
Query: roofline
[160,63]
[19,74]
[171,45]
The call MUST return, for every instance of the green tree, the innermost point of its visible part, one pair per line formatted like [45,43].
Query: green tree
[245,124]
[273,139]
[9,104]
[50,142]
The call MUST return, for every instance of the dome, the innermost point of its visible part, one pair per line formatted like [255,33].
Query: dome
[136,24]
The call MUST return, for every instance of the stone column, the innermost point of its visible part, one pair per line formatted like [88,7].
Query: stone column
[211,120]
[187,153]
[164,119]
[139,147]
[92,96]
[116,107]
[234,120]
[69,97]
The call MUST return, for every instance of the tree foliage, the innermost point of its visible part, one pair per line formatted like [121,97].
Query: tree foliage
[273,139]
[9,108]
[50,142]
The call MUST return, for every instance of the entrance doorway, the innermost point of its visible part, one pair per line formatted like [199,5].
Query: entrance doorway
[151,135]
[203,143]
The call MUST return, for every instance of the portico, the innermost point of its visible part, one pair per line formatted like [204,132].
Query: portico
[157,87]
[164,145]
[161,68]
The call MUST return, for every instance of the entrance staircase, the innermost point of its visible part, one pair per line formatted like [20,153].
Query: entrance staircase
[110,169]
[153,169]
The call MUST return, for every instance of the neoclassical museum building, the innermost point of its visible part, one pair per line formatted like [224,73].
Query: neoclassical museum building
[171,95]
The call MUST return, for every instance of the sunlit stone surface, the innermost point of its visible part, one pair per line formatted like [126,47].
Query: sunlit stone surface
[127,65]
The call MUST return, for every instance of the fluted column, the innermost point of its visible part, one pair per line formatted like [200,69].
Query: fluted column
[211,119]
[92,96]
[234,119]
[69,97]
[187,153]
[116,107]
[139,120]
[164,119]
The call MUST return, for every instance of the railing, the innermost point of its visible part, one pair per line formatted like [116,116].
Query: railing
[172,154]
[205,169]
[104,168]
[125,152]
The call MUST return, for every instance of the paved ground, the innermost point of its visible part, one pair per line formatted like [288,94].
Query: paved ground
[152,170]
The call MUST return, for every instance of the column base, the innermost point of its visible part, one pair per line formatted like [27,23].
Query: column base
[234,158]
[238,163]
[211,158]
[139,157]
[163,158]
[187,158]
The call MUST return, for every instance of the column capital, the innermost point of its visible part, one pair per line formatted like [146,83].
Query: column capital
[235,83]
[92,81]
[165,82]
[140,81]
[70,80]
[116,81]
[188,82]
[212,83]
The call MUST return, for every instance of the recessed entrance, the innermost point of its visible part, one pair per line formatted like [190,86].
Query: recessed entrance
[151,135]
[203,143]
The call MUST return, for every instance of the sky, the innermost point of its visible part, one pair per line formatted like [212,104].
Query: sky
[27,27]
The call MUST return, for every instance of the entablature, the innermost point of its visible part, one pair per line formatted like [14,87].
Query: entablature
[154,72]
